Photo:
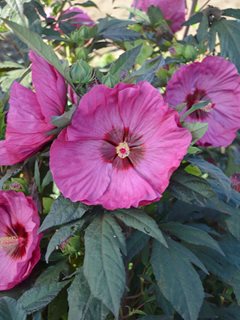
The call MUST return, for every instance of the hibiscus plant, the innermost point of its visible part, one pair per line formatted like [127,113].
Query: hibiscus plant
[119,161]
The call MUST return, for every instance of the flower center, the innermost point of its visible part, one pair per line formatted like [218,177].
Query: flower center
[197,96]
[123,150]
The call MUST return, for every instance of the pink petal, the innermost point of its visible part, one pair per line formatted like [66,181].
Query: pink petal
[87,176]
[51,90]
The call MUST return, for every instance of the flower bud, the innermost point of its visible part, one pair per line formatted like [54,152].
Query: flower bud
[81,72]
[189,52]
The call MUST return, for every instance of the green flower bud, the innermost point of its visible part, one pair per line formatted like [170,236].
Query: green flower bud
[189,52]
[110,80]
[81,72]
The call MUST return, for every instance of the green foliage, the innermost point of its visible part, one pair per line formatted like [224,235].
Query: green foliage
[103,263]
[11,310]
[82,304]
[63,211]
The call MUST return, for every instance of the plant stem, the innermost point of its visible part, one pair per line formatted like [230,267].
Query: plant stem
[193,9]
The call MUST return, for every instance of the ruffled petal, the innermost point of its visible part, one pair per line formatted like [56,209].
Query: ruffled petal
[87,176]
[50,86]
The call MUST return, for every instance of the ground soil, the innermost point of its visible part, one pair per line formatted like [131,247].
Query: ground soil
[110,7]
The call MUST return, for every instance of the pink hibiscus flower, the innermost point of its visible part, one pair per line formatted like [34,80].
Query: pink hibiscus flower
[173,10]
[19,239]
[214,79]
[76,17]
[120,149]
[30,113]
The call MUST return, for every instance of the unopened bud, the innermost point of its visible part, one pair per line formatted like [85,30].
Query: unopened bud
[81,72]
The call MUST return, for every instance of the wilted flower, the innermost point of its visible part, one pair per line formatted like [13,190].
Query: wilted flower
[235,181]
[120,149]
[76,17]
[19,239]
[214,79]
[30,113]
[173,10]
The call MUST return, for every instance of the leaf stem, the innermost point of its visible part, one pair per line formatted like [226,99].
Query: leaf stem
[193,9]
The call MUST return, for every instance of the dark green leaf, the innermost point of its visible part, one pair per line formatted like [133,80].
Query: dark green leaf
[234,13]
[117,30]
[135,243]
[192,235]
[147,71]
[82,304]
[125,62]
[229,36]
[11,310]
[103,263]
[177,280]
[40,296]
[202,32]
[35,42]
[196,18]
[61,235]
[141,221]
[63,211]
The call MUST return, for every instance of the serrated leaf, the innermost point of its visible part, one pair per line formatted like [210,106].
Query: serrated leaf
[192,235]
[35,42]
[229,35]
[82,304]
[117,30]
[63,211]
[60,236]
[147,71]
[177,280]
[11,310]
[141,221]
[103,263]
[202,32]
[40,296]
[125,62]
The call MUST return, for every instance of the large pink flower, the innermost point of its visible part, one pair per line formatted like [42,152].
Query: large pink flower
[19,239]
[121,148]
[214,79]
[76,17]
[30,113]
[173,10]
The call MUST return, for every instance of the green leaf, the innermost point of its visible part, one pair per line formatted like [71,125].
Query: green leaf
[141,221]
[177,280]
[46,180]
[191,189]
[52,273]
[61,235]
[155,16]
[37,176]
[88,4]
[147,71]
[117,30]
[11,310]
[202,32]
[125,62]
[103,263]
[197,129]
[234,13]
[195,107]
[196,18]
[229,36]
[40,296]
[63,211]
[35,42]
[82,304]
[192,235]
[135,243]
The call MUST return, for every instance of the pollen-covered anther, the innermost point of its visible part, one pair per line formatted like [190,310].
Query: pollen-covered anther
[123,150]
[7,242]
